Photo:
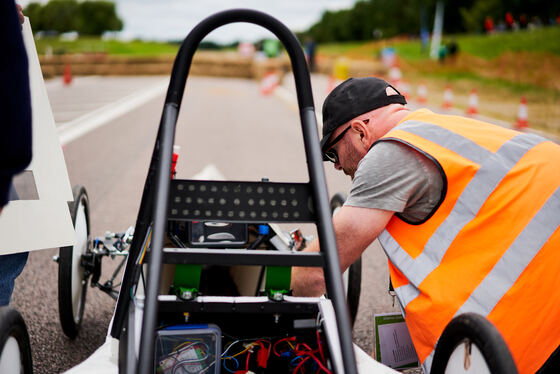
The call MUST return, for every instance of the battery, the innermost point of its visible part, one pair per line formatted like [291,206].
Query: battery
[188,349]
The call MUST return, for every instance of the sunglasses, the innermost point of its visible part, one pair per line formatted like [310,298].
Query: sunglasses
[331,154]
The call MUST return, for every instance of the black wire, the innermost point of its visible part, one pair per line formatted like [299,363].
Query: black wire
[176,240]
[142,276]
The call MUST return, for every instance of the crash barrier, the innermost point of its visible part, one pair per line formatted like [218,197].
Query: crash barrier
[228,64]
[208,63]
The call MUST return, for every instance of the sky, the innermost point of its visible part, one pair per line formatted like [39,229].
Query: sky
[173,19]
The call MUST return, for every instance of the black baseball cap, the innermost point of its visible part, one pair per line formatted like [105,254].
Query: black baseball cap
[353,97]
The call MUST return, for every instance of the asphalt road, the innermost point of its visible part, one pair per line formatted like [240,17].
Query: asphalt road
[226,123]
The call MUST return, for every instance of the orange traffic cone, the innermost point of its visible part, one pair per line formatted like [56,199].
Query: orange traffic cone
[473,103]
[67,76]
[395,76]
[333,82]
[269,82]
[447,98]
[422,93]
[404,89]
[522,115]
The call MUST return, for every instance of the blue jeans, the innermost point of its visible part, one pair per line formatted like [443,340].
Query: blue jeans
[10,267]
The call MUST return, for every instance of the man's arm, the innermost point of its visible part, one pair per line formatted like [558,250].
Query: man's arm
[355,228]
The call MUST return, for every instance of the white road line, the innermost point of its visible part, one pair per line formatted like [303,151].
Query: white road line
[80,126]
[210,172]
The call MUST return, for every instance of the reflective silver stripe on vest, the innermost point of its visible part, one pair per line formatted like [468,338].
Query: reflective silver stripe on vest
[464,147]
[514,261]
[427,364]
[406,292]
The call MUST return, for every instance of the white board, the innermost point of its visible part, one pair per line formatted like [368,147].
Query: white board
[44,220]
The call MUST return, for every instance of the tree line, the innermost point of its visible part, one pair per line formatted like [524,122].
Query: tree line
[86,17]
[370,19]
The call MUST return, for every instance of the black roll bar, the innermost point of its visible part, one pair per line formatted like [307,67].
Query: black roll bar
[156,192]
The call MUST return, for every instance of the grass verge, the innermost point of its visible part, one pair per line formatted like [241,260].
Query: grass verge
[114,47]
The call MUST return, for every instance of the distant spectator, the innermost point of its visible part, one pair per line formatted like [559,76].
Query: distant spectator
[271,48]
[489,25]
[442,53]
[536,22]
[425,39]
[500,27]
[509,20]
[310,53]
[523,21]
[452,50]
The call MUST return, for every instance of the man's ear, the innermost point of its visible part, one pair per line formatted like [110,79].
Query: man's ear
[361,128]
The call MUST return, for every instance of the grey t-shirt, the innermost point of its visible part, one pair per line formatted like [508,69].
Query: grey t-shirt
[393,176]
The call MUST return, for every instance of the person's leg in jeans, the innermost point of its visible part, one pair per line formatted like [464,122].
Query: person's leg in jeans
[10,267]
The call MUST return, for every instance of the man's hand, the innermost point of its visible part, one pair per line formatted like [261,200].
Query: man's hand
[20,13]
[355,228]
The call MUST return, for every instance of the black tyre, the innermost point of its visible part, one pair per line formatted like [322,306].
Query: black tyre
[72,278]
[14,343]
[352,277]
[354,288]
[471,344]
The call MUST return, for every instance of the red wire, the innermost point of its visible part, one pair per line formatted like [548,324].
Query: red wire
[247,363]
[291,339]
[300,365]
[320,364]
[306,346]
[269,349]
[320,345]
[301,349]
[308,350]
[260,362]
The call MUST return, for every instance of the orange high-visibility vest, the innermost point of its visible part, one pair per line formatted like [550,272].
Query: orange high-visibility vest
[491,246]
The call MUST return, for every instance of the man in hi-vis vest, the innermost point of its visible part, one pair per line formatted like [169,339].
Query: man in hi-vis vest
[467,212]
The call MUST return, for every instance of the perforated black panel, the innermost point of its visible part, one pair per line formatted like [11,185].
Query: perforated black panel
[251,202]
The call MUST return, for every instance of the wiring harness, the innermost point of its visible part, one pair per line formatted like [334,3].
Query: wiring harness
[255,355]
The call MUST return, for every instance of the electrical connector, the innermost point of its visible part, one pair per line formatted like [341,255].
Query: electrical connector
[262,357]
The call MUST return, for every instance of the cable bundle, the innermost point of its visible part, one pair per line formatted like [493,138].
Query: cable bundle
[298,356]
[304,358]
